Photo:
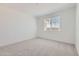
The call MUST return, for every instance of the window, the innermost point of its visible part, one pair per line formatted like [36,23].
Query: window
[52,23]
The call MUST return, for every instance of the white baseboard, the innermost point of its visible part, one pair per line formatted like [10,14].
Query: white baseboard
[16,42]
[56,41]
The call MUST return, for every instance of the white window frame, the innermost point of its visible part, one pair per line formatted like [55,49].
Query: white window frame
[52,23]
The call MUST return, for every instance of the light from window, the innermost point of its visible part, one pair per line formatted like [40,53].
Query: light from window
[52,23]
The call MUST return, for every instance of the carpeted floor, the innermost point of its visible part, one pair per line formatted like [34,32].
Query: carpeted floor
[38,47]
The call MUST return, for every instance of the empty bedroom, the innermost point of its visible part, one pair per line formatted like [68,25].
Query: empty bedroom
[39,29]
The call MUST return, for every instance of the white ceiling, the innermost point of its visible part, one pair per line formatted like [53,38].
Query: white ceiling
[38,8]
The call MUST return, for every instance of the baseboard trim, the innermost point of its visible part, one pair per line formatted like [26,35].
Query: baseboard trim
[56,41]
[16,42]
[76,52]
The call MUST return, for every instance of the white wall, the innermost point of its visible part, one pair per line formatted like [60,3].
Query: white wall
[67,33]
[15,26]
[77,28]
[17,22]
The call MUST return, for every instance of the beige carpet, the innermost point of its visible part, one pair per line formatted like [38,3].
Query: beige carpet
[38,47]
